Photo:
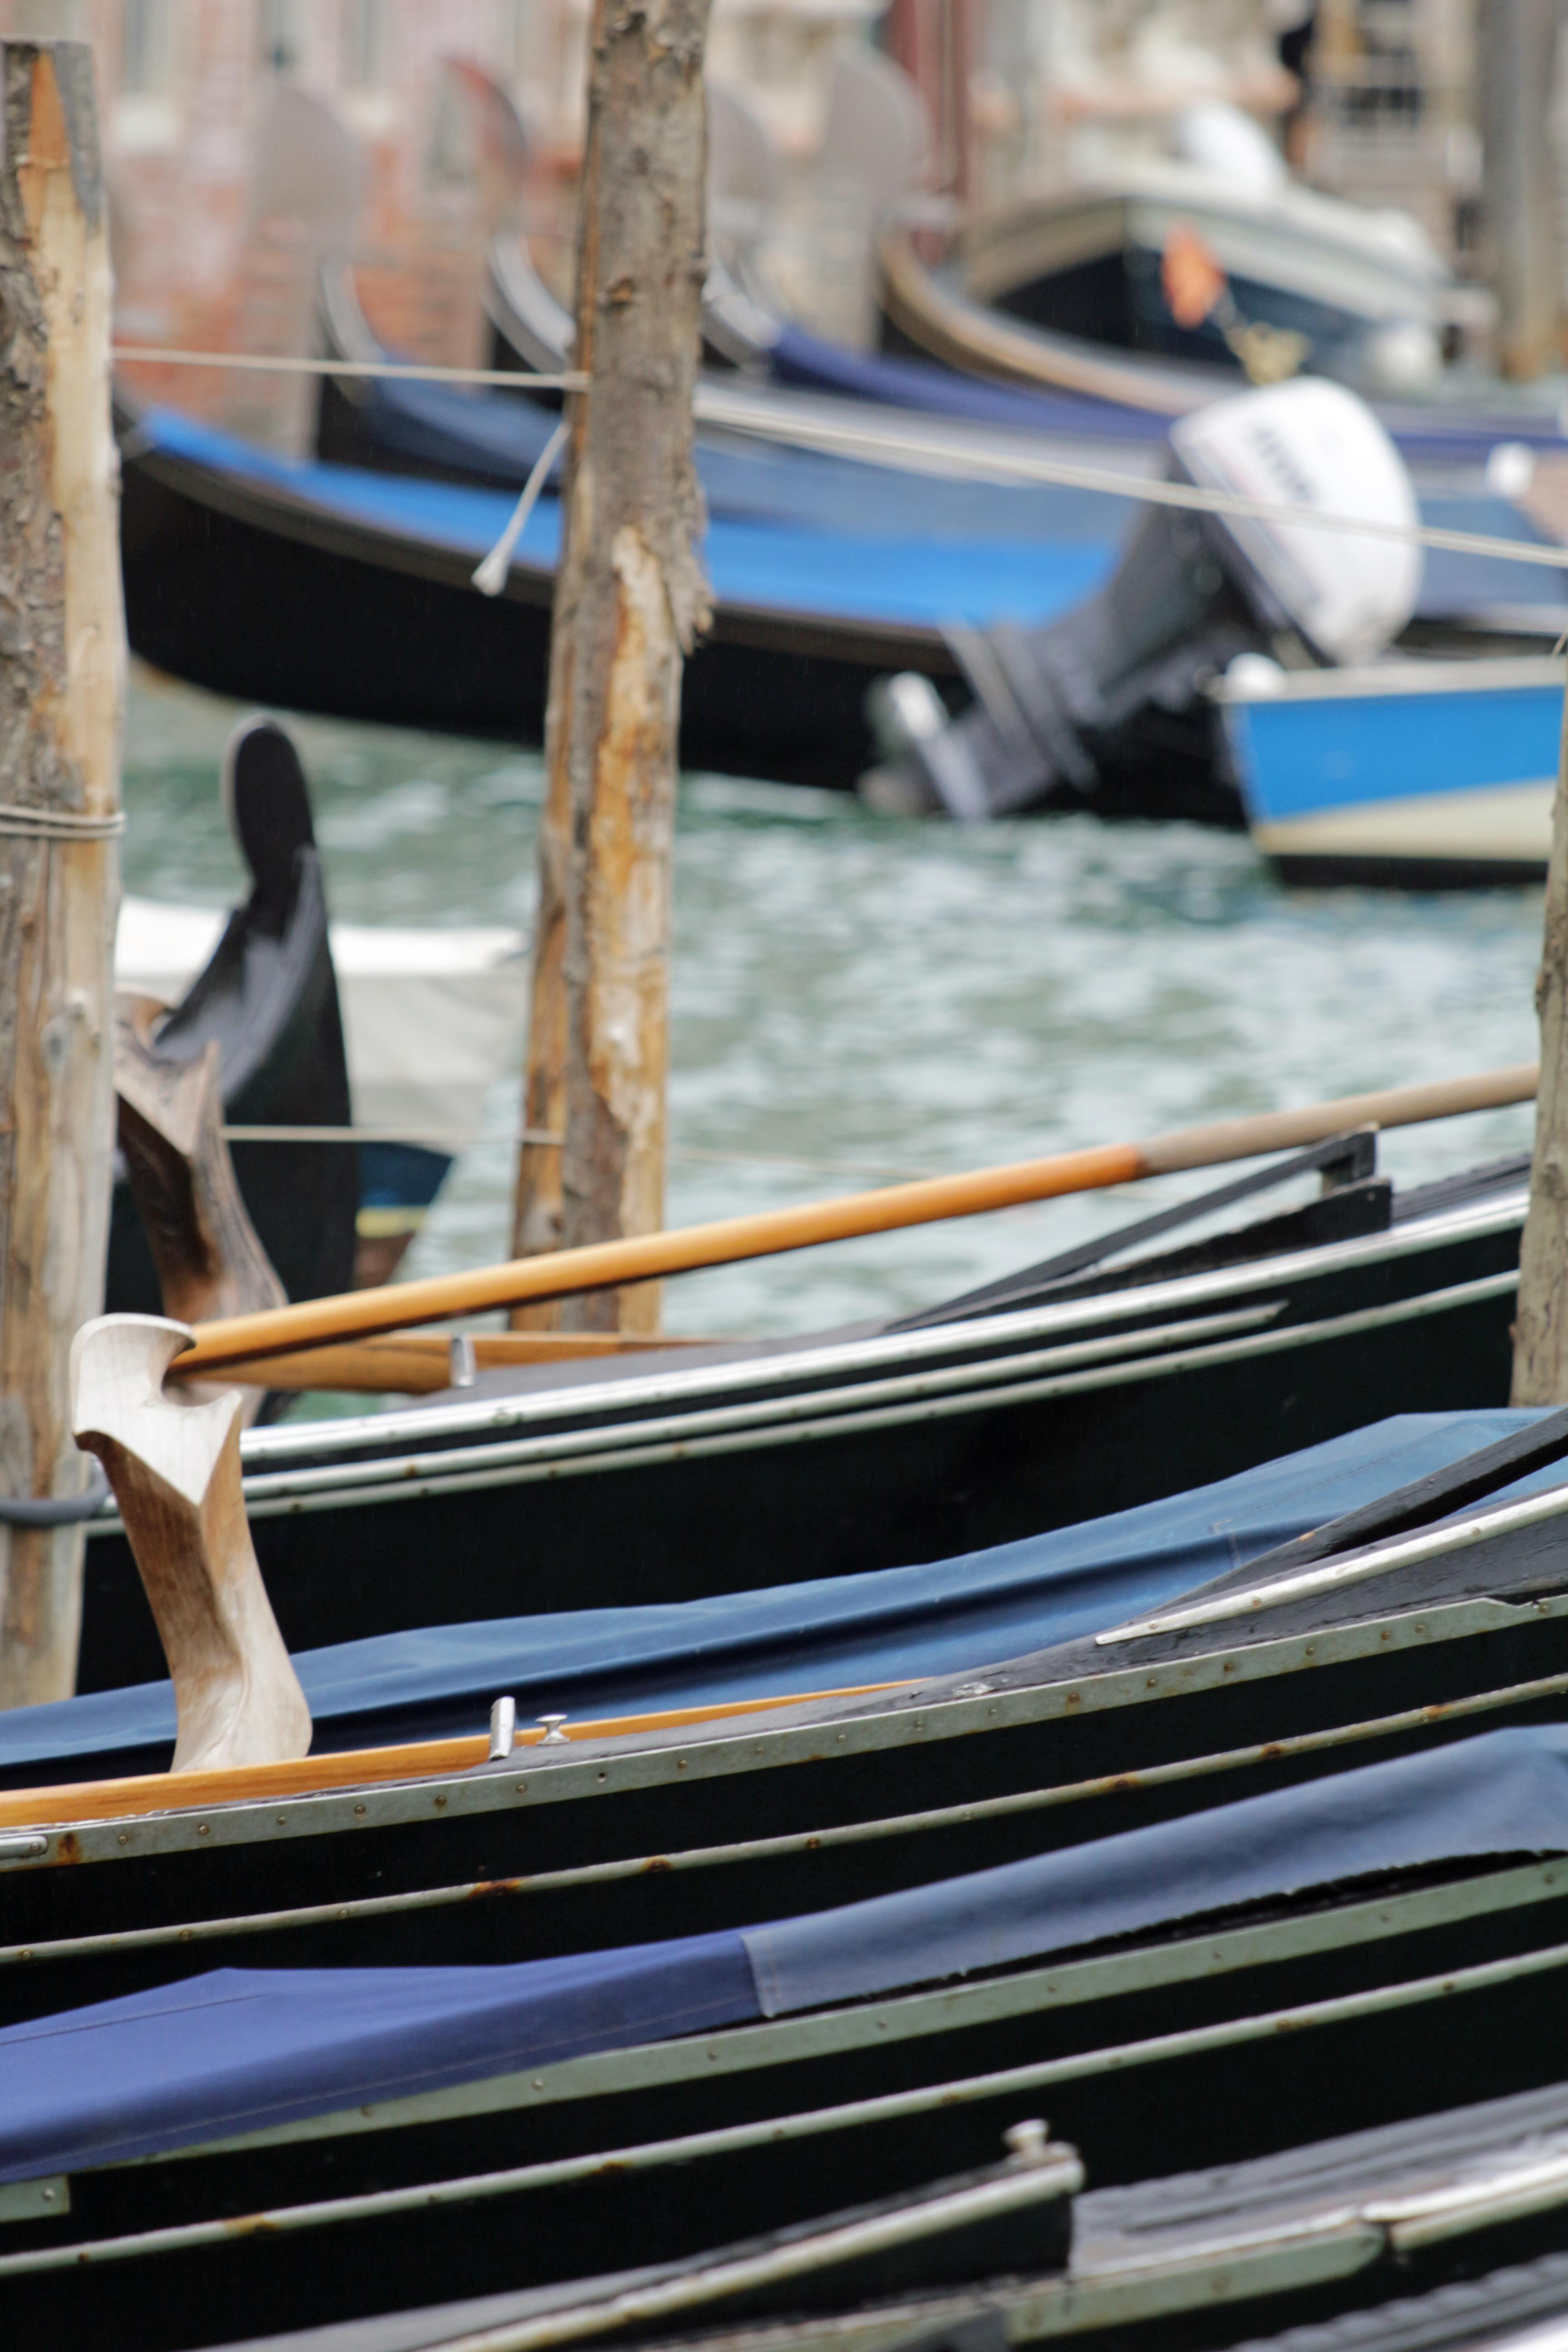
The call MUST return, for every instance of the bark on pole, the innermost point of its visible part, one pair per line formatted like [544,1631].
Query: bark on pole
[1541,1334]
[62,678]
[630,599]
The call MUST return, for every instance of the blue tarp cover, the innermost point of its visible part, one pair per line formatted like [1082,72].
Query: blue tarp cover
[901,1624]
[424,425]
[908,578]
[241,2048]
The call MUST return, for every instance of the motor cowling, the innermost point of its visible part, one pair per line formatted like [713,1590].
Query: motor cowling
[1106,707]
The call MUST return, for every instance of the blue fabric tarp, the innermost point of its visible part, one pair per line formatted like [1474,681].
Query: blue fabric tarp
[238,2048]
[424,425]
[1503,1792]
[902,1624]
[904,577]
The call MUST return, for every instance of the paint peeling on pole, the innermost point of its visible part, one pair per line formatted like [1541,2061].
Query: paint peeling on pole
[630,601]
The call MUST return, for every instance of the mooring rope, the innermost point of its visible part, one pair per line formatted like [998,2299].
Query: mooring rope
[59,824]
[490,577]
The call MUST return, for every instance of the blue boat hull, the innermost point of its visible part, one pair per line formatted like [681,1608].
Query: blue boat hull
[1422,775]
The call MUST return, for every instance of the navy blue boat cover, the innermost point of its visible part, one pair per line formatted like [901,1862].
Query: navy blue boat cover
[892,1625]
[239,2049]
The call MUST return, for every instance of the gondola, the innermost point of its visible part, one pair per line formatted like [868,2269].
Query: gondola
[1066,294]
[925,2238]
[1430,1613]
[365,585]
[196,2158]
[268,997]
[755,444]
[1357,2232]
[1522,2308]
[1109,1375]
[947,355]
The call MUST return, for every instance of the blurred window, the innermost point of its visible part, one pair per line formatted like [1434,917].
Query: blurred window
[147,37]
[367,44]
[282,34]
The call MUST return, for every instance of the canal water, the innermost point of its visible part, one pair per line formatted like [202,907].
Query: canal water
[856,999]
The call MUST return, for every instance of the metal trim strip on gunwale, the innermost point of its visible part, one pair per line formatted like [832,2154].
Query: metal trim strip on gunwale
[1329,2243]
[1068,2303]
[1351,1568]
[709,2278]
[525,1461]
[265,1487]
[795,1842]
[648,2155]
[787,2041]
[667,1760]
[1472,1220]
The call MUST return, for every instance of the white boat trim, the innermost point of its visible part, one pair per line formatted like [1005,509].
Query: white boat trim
[979,1335]
[1382,1559]
[796,1421]
[1506,824]
[1379,681]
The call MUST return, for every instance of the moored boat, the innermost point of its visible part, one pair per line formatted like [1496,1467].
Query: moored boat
[1111,1375]
[1422,774]
[1424,1615]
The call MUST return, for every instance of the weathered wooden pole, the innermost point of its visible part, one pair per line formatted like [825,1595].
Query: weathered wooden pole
[62,678]
[1515,51]
[1541,1333]
[630,600]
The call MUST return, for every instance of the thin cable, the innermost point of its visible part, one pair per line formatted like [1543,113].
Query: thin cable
[1019,465]
[408,372]
[490,577]
[848,440]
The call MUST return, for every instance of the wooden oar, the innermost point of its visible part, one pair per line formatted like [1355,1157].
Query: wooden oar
[421,1364]
[124,1798]
[249,1341]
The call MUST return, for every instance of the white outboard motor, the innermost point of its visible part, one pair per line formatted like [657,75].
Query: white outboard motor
[1312,443]
[1106,707]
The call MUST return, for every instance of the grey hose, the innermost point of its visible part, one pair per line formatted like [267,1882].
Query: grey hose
[35,1511]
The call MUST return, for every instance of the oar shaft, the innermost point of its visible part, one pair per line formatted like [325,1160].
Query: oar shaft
[646,1257]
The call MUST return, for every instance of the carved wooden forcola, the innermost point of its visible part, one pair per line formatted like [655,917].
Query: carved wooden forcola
[174,1469]
[630,600]
[62,668]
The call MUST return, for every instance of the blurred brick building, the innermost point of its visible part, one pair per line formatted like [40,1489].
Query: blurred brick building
[209,258]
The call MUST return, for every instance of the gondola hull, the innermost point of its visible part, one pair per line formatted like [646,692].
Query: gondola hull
[685,1483]
[240,579]
[1198,2053]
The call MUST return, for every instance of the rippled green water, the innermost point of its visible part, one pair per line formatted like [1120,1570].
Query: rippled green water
[898,997]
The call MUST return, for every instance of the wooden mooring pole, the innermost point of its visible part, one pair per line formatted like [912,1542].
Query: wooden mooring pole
[62,674]
[1515,53]
[1541,1332]
[630,600]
